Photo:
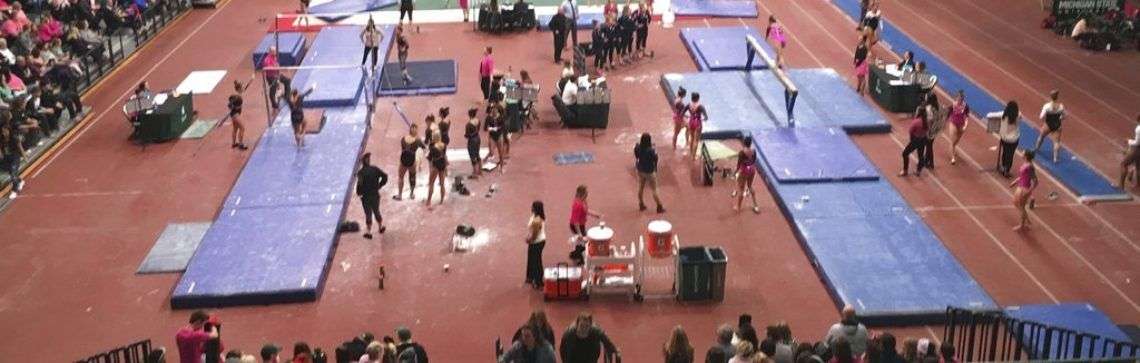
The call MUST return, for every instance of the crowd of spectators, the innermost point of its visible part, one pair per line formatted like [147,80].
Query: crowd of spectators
[584,341]
[45,49]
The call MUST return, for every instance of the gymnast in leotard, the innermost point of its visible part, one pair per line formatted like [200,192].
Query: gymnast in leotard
[296,103]
[697,117]
[745,174]
[234,104]
[437,159]
[775,33]
[959,111]
[409,144]
[679,110]
[471,133]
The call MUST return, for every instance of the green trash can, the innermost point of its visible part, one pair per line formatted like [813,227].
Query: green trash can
[718,264]
[693,274]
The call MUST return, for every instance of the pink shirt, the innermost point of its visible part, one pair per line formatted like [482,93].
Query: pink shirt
[1026,175]
[49,31]
[578,212]
[11,28]
[15,83]
[486,66]
[917,128]
[270,60]
[190,343]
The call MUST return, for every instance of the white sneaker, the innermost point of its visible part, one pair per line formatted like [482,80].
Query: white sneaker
[19,186]
[12,195]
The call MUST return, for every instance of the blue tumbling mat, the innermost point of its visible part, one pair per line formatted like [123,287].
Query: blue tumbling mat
[290,49]
[338,46]
[337,87]
[1080,317]
[350,6]
[1073,173]
[723,48]
[428,78]
[804,155]
[585,21]
[716,8]
[731,105]
[274,238]
[875,253]
[832,98]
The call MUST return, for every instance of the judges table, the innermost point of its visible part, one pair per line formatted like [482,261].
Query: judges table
[890,90]
[169,116]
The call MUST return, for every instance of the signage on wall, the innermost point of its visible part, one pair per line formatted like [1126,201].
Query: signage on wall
[1072,8]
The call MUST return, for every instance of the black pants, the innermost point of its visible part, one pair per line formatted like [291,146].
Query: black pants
[534,262]
[599,57]
[71,102]
[642,35]
[406,8]
[485,86]
[12,166]
[1005,154]
[916,144]
[371,204]
[370,50]
[559,44]
[578,229]
[928,156]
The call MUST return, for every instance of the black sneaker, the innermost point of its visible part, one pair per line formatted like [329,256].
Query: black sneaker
[660,209]
[368,236]
[382,229]
[641,207]
[242,147]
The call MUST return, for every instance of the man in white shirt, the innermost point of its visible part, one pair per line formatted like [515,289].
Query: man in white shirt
[570,94]
[6,55]
[1131,157]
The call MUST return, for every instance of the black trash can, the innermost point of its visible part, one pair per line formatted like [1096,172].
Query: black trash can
[718,264]
[693,273]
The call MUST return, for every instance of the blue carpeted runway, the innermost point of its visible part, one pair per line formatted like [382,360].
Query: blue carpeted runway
[1075,174]
[275,235]
[1080,317]
[813,155]
[723,48]
[715,8]
[290,48]
[428,78]
[585,21]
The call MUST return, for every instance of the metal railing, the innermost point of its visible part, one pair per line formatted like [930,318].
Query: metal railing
[992,336]
[136,352]
[114,49]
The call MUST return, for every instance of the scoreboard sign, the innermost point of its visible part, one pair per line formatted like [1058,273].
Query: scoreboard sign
[1073,8]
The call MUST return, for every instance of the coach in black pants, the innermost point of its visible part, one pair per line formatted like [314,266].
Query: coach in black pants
[559,25]
[368,182]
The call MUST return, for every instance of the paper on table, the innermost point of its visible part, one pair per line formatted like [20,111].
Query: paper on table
[160,98]
[200,82]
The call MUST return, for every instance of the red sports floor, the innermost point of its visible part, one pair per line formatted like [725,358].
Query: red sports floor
[90,213]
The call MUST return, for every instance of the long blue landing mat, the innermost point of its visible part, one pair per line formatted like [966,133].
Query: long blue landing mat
[723,47]
[715,8]
[275,234]
[350,6]
[336,87]
[585,20]
[427,78]
[738,100]
[805,155]
[1080,317]
[290,49]
[875,253]
[338,46]
[1071,171]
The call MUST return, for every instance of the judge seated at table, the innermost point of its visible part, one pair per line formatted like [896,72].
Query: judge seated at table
[907,62]
[919,76]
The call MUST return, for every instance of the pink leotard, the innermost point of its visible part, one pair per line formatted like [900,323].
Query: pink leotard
[777,34]
[1025,176]
[958,114]
[696,112]
[746,163]
[679,108]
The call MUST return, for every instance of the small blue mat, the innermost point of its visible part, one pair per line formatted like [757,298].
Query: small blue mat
[576,157]
[428,78]
[290,49]
[1080,317]
[715,8]
[804,155]
[174,248]
[723,47]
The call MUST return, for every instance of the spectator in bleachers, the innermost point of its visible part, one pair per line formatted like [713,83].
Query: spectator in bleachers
[745,352]
[928,351]
[86,42]
[782,343]
[910,350]
[850,329]
[409,351]
[582,342]
[841,352]
[722,350]
[269,353]
[530,348]
[947,351]
[302,353]
[191,339]
[49,29]
[886,350]
[678,349]
[6,55]
[212,350]
[11,153]
[378,352]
